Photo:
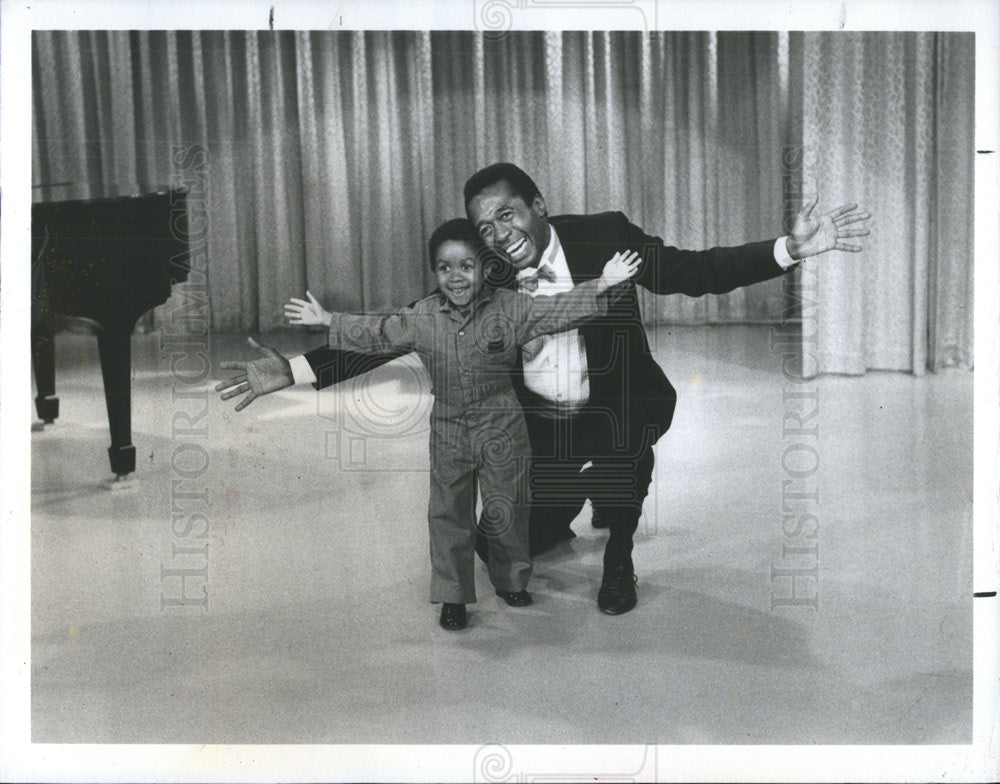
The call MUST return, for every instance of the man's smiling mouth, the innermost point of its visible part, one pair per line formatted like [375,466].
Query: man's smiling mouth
[516,249]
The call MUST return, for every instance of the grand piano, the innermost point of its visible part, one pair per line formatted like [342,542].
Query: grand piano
[108,261]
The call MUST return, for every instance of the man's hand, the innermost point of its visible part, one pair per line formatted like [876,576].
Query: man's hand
[814,235]
[259,377]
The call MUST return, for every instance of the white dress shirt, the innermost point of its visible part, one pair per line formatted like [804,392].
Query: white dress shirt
[555,366]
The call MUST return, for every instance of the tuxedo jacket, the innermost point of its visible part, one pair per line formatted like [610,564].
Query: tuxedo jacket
[625,381]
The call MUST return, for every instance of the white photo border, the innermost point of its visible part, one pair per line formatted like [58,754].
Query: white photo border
[20,760]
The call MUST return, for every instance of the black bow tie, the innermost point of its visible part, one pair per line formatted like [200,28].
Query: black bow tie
[530,282]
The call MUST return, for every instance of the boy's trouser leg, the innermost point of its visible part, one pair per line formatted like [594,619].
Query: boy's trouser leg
[451,516]
[503,454]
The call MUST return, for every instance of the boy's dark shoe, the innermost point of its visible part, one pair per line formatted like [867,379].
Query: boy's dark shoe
[617,594]
[515,598]
[453,616]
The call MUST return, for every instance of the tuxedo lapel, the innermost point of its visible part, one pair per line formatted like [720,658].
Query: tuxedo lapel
[579,257]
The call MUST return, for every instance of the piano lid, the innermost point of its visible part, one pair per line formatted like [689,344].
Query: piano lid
[110,258]
[81,193]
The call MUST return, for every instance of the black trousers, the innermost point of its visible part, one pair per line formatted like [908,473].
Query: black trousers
[560,480]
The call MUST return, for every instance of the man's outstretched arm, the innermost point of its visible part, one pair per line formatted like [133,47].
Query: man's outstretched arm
[273,371]
[669,270]
[325,366]
[839,229]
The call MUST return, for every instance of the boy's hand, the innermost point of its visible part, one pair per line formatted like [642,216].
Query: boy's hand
[620,268]
[298,311]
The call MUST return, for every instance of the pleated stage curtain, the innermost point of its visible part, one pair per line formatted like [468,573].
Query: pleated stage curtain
[331,156]
[887,119]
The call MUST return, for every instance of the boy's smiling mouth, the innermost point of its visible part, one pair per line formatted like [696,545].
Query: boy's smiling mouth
[459,293]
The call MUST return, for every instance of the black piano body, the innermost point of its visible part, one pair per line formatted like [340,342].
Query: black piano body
[108,260]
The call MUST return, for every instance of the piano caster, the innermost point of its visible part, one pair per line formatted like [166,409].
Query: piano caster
[122,459]
[122,482]
[47,408]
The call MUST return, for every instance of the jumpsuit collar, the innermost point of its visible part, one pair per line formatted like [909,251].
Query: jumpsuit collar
[464,315]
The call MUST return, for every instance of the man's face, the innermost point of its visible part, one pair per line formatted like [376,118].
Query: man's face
[520,231]
[459,272]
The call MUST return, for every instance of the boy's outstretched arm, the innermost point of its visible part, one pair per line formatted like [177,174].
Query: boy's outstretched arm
[619,268]
[567,309]
[307,311]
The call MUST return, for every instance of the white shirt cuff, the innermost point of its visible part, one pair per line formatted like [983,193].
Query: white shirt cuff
[781,253]
[302,371]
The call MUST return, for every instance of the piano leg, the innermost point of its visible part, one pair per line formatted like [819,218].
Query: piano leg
[115,347]
[43,361]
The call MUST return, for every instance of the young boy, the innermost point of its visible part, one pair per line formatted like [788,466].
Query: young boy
[467,335]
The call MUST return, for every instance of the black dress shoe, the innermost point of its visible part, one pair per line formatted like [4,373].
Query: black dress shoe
[599,519]
[515,598]
[453,616]
[617,594]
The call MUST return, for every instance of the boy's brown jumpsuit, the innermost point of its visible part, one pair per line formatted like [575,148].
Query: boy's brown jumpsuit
[477,426]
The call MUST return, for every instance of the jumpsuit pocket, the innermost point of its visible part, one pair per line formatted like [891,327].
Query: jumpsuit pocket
[494,356]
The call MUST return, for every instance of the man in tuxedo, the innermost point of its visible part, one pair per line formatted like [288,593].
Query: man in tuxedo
[595,401]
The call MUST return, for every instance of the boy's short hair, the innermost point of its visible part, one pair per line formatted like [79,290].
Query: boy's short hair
[496,270]
[517,178]
[455,230]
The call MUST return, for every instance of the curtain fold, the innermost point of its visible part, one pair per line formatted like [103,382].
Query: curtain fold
[888,121]
[331,156]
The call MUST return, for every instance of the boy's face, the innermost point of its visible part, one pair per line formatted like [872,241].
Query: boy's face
[459,272]
[506,223]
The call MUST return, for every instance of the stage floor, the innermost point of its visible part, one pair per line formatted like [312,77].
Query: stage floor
[297,532]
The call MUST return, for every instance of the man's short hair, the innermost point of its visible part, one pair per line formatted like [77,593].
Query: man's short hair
[517,178]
